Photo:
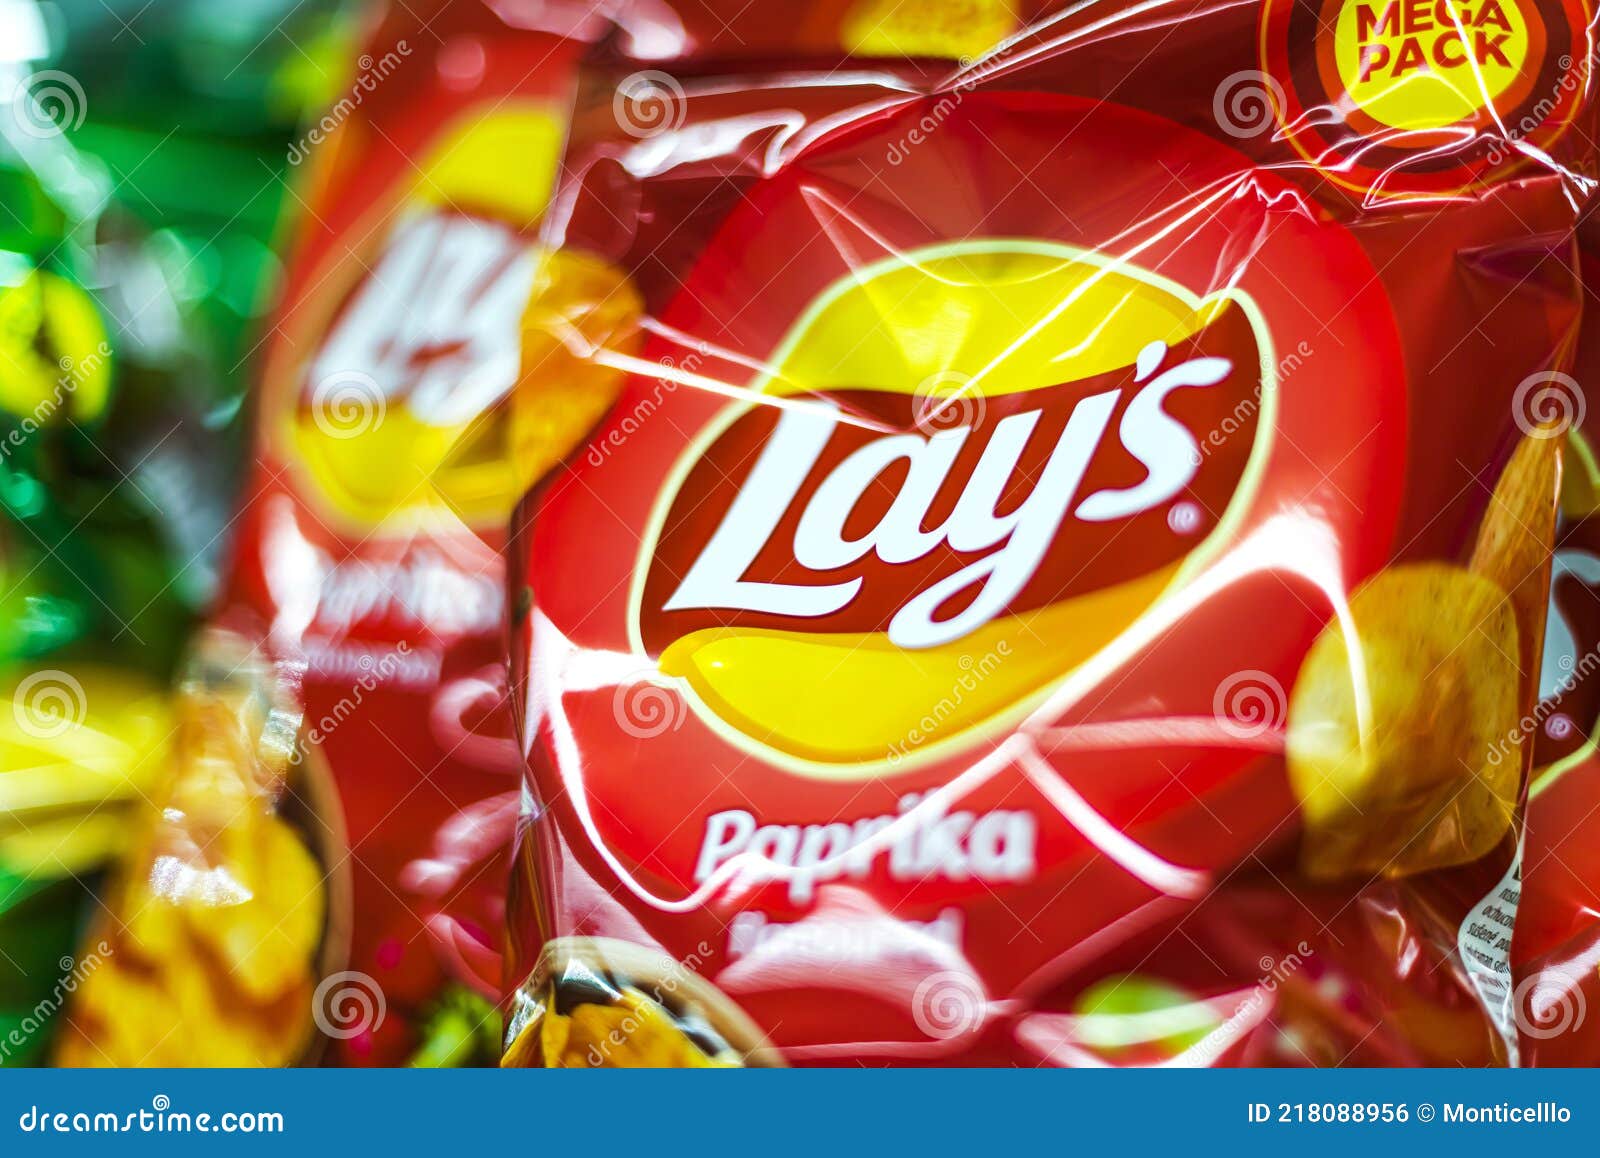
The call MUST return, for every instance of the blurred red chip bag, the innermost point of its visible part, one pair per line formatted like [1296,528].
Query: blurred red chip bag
[367,548]
[1028,495]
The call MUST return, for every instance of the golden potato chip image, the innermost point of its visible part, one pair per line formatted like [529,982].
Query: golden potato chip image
[635,1033]
[580,308]
[526,1050]
[595,1003]
[79,751]
[266,935]
[118,1017]
[1404,749]
[467,168]
[1517,534]
[632,1031]
[215,926]
[237,1031]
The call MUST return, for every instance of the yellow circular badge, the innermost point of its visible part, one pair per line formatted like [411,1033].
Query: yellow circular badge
[1425,64]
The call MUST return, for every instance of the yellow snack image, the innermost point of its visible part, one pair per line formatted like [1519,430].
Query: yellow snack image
[55,360]
[79,749]
[264,940]
[1514,542]
[580,307]
[634,1033]
[595,1003]
[1580,477]
[1403,745]
[467,169]
[399,415]
[215,925]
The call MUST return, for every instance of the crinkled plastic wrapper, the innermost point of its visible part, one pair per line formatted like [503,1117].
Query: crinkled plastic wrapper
[367,550]
[366,576]
[233,899]
[1042,558]
[1556,950]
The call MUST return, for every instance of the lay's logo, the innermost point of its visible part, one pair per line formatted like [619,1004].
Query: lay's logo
[990,449]
[386,396]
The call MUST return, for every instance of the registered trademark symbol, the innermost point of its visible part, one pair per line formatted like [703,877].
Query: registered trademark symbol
[1184,518]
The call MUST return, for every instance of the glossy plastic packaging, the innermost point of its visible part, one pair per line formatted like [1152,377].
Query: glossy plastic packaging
[367,548]
[1556,950]
[366,578]
[1043,559]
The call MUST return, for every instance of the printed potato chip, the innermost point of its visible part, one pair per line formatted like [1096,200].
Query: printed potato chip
[1518,533]
[580,330]
[635,1033]
[1580,477]
[1403,745]
[266,933]
[215,926]
[79,750]
[608,1005]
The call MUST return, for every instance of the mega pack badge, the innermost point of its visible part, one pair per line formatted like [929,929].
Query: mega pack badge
[1409,98]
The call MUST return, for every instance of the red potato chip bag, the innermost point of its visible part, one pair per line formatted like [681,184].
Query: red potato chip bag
[1569,696]
[366,552]
[1556,950]
[1059,564]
